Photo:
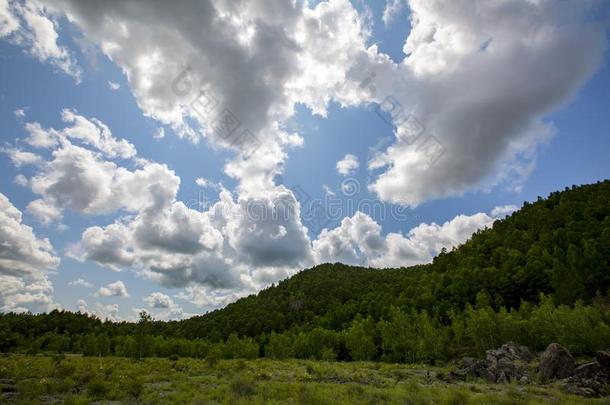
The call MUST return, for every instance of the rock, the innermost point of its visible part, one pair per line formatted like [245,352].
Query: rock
[510,351]
[524,380]
[587,370]
[556,362]
[467,362]
[603,358]
[586,387]
[579,390]
[508,362]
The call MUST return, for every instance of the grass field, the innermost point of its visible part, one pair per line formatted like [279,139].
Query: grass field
[80,380]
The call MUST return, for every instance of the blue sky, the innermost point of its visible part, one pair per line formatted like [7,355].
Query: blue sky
[550,138]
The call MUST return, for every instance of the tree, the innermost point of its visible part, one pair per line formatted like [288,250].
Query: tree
[142,335]
[360,339]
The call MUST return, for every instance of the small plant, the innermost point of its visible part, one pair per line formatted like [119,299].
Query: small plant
[243,386]
[134,387]
[212,358]
[64,369]
[310,369]
[97,388]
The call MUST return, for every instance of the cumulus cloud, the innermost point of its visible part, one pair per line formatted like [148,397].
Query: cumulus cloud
[159,300]
[21,251]
[458,77]
[391,10]
[21,158]
[208,298]
[24,259]
[29,25]
[359,240]
[461,82]
[81,175]
[21,180]
[82,306]
[116,289]
[167,308]
[80,282]
[348,165]
[503,210]
[107,312]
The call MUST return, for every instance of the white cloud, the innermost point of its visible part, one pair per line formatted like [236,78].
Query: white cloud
[159,134]
[485,111]
[29,24]
[503,210]
[21,252]
[82,306]
[8,21]
[21,180]
[358,240]
[348,165]
[80,179]
[21,158]
[391,10]
[24,259]
[116,289]
[114,86]
[168,309]
[20,112]
[159,300]
[201,182]
[209,298]
[106,312]
[80,282]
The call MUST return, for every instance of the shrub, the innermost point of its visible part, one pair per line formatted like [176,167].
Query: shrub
[97,388]
[243,386]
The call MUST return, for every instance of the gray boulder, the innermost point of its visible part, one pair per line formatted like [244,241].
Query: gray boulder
[510,351]
[587,370]
[556,363]
[501,365]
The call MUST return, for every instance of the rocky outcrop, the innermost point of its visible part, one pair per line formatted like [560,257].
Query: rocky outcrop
[591,379]
[508,362]
[511,362]
[556,363]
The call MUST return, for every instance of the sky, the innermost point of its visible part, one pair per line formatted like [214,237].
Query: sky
[175,157]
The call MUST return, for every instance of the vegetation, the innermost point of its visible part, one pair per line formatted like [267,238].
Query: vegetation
[539,276]
[83,380]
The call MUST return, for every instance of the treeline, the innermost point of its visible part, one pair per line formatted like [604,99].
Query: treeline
[401,337]
[475,297]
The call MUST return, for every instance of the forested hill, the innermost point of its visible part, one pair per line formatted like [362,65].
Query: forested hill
[558,246]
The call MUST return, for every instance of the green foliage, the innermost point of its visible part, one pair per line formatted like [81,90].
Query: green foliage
[360,339]
[280,346]
[538,276]
[243,386]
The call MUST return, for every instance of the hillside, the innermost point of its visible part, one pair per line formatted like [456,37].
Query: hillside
[539,276]
[559,246]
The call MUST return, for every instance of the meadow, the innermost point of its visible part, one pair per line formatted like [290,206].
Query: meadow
[73,379]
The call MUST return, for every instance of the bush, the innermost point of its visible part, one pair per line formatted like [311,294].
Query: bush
[243,386]
[97,388]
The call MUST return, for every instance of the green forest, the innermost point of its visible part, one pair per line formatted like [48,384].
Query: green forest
[539,276]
